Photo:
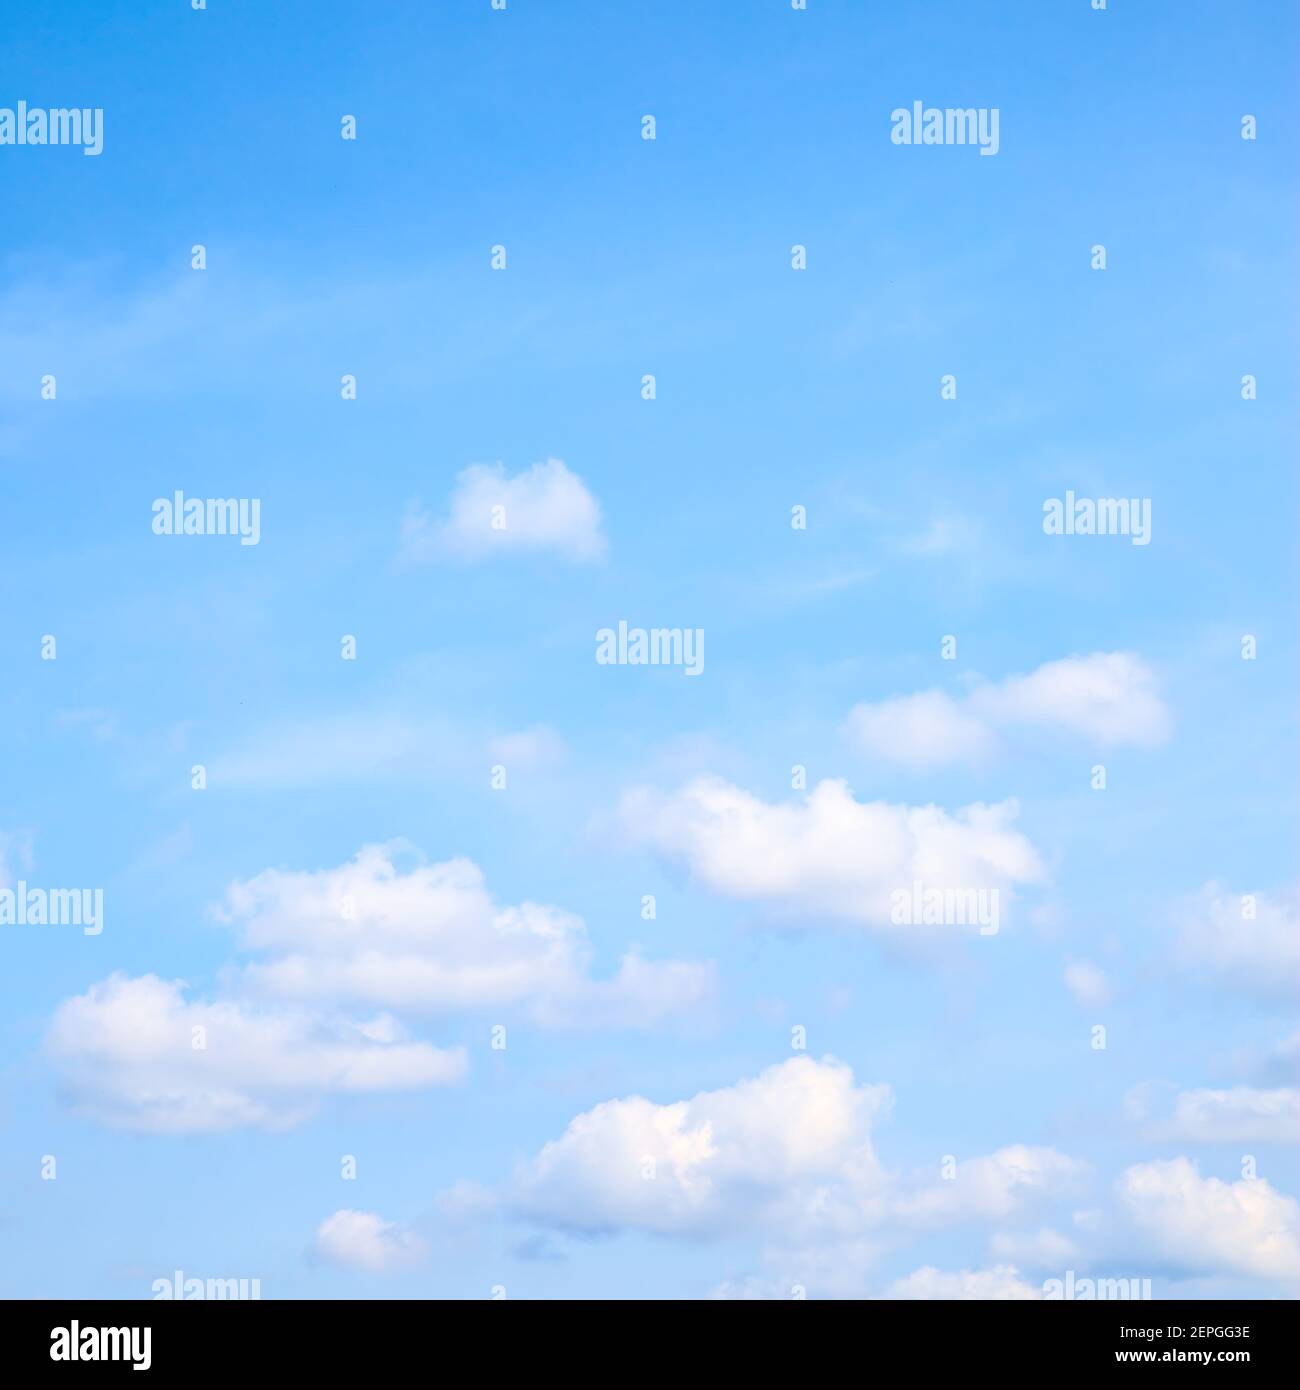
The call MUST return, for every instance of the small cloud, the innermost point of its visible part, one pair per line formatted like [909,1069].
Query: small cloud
[362,1240]
[1088,984]
[545,508]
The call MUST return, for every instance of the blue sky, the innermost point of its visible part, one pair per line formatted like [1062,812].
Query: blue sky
[775,388]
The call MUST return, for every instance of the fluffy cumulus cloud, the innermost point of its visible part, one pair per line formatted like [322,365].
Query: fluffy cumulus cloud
[430,939]
[702,1165]
[136,1054]
[545,508]
[362,1240]
[1108,698]
[1204,1225]
[787,1154]
[1245,942]
[827,853]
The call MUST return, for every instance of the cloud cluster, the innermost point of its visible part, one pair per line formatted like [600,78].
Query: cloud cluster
[1109,698]
[340,952]
[789,1156]
[787,1153]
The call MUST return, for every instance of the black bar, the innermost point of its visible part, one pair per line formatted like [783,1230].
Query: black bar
[340,1338]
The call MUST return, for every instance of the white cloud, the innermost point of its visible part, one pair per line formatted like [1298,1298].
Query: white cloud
[927,730]
[1000,1282]
[368,936]
[698,1166]
[1245,942]
[1205,1225]
[1110,698]
[545,508]
[1237,1115]
[826,852]
[1088,984]
[127,1050]
[362,1240]
[788,1153]
[431,939]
